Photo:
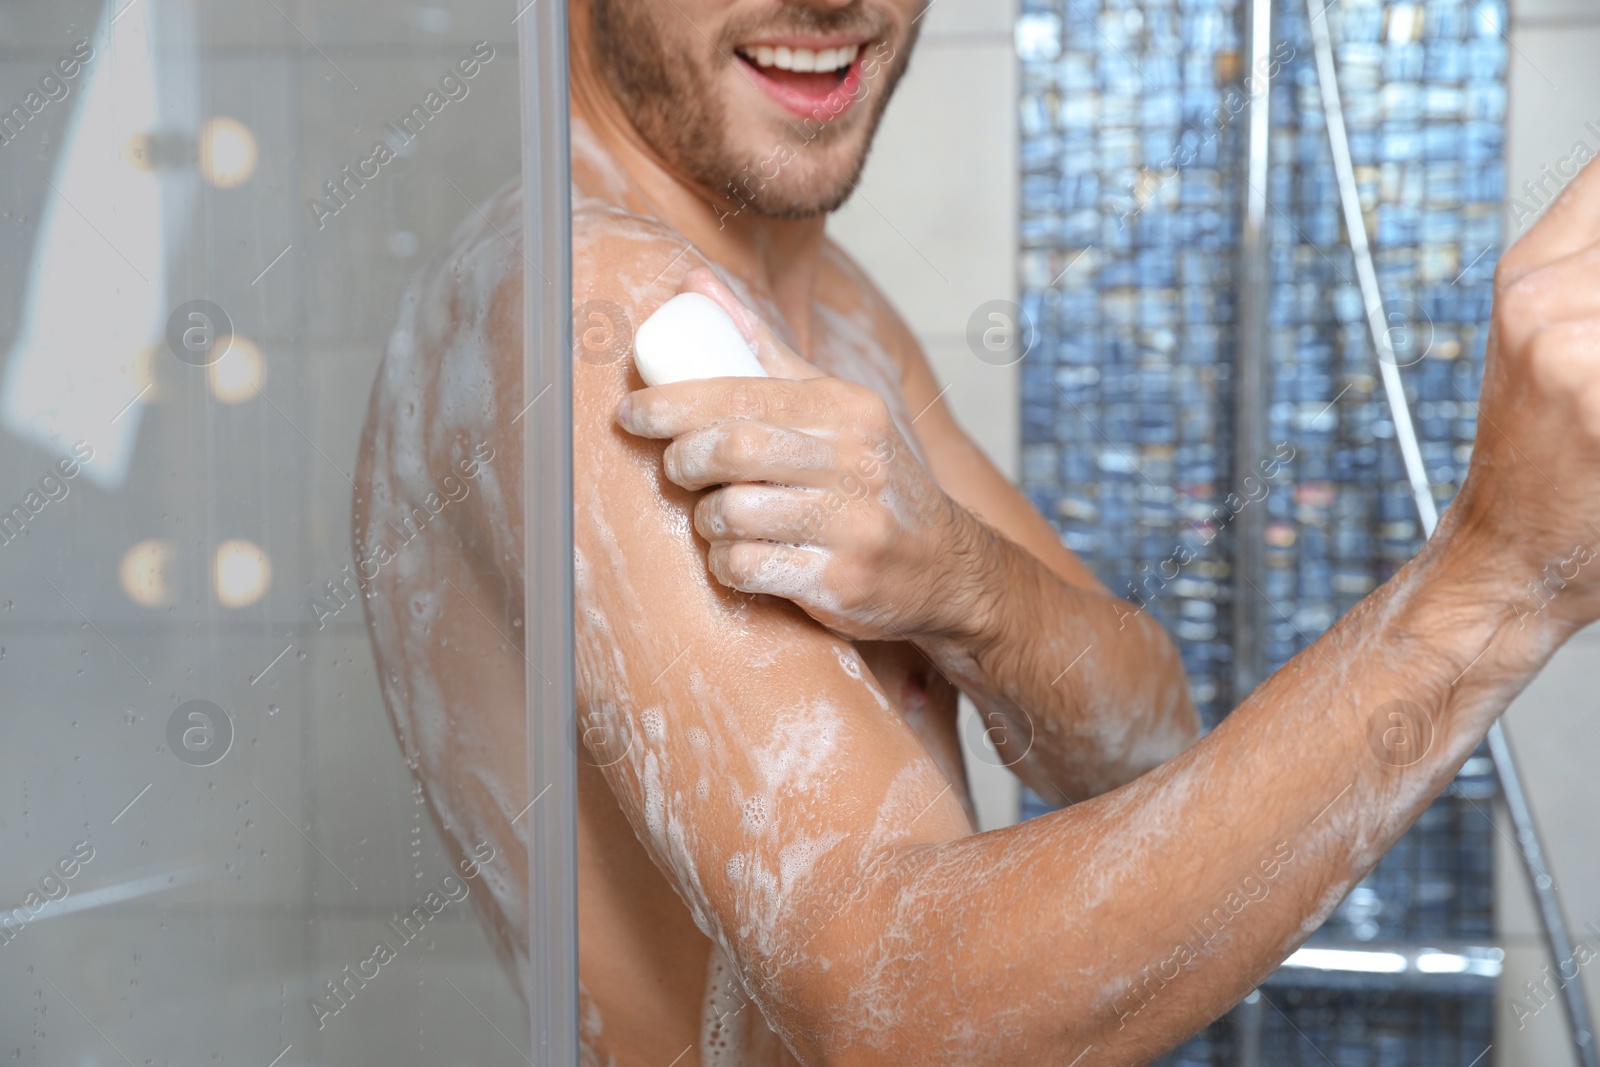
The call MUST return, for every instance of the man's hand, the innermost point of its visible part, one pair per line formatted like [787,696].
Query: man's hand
[821,501]
[1530,506]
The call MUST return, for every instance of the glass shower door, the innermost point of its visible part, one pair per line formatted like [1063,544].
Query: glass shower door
[217,846]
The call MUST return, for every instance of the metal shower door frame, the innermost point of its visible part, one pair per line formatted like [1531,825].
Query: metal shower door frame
[547,533]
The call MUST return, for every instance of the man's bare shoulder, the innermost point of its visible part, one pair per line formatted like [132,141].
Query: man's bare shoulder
[452,377]
[631,259]
[472,293]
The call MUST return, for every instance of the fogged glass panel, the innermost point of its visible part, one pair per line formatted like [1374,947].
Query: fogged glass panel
[218,849]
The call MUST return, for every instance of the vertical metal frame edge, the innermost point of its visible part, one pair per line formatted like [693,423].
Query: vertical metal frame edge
[547,534]
[1250,355]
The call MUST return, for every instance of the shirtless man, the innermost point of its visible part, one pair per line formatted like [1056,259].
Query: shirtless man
[777,858]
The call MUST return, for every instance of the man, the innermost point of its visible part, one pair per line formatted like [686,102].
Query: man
[777,860]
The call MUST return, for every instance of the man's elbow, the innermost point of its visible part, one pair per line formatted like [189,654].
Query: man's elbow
[1173,730]
[1174,722]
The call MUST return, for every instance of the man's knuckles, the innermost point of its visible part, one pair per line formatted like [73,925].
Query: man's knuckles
[1560,363]
[880,535]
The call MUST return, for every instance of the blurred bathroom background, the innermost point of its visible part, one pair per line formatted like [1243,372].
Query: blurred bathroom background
[184,672]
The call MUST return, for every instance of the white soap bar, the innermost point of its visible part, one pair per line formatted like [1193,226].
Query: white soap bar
[688,337]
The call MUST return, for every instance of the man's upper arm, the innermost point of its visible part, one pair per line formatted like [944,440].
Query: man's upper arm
[763,764]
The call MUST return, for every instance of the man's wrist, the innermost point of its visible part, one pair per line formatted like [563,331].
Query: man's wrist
[1467,598]
[1472,561]
[970,608]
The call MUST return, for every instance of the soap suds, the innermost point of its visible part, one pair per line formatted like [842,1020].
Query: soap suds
[725,1023]
[707,741]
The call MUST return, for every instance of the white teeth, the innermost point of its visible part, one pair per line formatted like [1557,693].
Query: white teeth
[802,59]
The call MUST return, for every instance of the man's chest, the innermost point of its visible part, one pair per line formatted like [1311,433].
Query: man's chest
[848,341]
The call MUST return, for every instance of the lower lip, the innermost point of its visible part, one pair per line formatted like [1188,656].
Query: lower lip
[821,107]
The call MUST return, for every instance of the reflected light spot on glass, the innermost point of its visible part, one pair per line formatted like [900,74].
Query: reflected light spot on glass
[242,573]
[238,375]
[143,573]
[227,152]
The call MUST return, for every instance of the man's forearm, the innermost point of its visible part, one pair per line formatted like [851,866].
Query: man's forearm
[1079,691]
[1145,912]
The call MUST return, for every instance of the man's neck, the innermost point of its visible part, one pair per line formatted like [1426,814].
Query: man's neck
[777,258]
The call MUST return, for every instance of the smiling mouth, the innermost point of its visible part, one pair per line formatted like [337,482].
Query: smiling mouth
[815,83]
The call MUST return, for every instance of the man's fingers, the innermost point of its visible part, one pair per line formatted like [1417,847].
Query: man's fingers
[675,409]
[743,450]
[776,570]
[778,358]
[1571,224]
[759,513]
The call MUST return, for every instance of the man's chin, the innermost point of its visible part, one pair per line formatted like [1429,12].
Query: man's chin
[790,181]
[792,200]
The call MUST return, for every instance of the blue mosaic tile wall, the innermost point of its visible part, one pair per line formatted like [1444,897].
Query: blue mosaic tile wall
[1132,117]
[1425,103]
[1129,235]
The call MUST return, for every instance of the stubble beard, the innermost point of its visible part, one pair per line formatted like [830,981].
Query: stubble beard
[674,108]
